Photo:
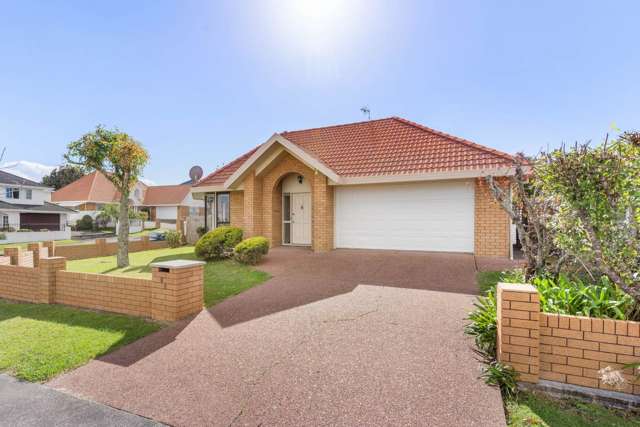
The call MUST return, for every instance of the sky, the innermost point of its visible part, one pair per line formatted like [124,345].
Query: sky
[201,82]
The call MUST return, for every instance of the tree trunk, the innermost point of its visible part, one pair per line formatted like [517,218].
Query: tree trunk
[123,231]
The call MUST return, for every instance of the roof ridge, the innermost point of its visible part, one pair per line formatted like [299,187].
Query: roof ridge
[337,126]
[223,167]
[454,138]
[93,181]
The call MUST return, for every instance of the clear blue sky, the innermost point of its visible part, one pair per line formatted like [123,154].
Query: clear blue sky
[200,82]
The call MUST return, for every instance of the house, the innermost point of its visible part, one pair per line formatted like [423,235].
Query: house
[166,204]
[380,184]
[26,213]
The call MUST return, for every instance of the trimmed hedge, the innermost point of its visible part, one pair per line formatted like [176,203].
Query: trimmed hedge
[218,243]
[251,251]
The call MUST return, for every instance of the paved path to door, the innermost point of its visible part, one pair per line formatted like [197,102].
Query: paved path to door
[344,338]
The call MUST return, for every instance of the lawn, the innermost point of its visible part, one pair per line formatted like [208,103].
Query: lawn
[222,279]
[538,410]
[38,342]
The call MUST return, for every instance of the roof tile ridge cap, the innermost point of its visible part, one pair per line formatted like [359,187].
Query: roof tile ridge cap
[223,167]
[93,181]
[456,138]
[284,132]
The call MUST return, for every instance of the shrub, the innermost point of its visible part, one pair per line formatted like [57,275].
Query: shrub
[85,223]
[201,230]
[251,251]
[3,236]
[24,230]
[503,376]
[173,238]
[483,327]
[218,243]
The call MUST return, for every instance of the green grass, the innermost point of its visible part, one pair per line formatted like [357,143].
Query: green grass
[222,279]
[38,342]
[487,279]
[533,409]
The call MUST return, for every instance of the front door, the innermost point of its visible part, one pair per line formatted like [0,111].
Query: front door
[301,218]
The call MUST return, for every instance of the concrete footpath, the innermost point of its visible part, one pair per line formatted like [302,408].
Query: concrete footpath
[26,404]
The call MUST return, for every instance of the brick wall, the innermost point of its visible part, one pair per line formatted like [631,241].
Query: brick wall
[236,208]
[492,224]
[572,349]
[102,248]
[323,200]
[175,290]
[117,294]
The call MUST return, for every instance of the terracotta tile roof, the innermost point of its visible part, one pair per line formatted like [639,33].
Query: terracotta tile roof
[219,176]
[93,187]
[388,146]
[165,195]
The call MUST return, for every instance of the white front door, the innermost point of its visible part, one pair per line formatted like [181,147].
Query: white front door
[301,218]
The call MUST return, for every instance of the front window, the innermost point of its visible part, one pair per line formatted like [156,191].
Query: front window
[222,209]
[5,222]
[12,193]
[29,194]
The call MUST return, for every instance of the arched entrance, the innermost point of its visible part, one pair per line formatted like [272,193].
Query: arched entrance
[296,210]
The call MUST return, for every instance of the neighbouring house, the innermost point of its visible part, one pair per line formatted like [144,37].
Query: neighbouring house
[26,213]
[165,204]
[381,184]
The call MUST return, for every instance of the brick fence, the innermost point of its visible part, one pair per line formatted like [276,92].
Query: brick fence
[561,348]
[100,248]
[174,291]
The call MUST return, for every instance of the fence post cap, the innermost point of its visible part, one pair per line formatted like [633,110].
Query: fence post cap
[176,264]
[517,287]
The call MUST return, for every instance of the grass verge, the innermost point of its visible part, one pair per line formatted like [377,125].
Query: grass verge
[535,409]
[222,279]
[38,342]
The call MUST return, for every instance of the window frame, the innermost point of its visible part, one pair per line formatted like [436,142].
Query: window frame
[228,205]
[11,192]
[29,194]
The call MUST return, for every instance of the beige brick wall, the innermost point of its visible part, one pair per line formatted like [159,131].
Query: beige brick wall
[252,221]
[170,295]
[492,224]
[236,208]
[323,202]
[101,248]
[561,348]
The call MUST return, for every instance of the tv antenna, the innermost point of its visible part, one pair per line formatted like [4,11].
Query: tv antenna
[366,111]
[2,154]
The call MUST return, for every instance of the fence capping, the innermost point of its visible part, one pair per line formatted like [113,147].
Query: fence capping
[176,264]
[517,287]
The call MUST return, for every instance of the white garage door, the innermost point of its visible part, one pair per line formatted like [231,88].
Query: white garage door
[426,216]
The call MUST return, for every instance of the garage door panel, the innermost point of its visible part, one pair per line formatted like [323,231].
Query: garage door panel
[417,216]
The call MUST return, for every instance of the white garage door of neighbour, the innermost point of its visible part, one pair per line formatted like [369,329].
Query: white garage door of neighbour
[166,212]
[426,216]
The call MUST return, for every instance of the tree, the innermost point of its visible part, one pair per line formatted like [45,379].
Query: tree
[598,189]
[111,212]
[62,176]
[121,159]
[531,210]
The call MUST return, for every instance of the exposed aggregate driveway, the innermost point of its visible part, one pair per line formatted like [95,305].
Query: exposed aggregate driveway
[343,338]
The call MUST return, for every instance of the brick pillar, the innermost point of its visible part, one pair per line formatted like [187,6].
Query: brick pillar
[322,219]
[492,224]
[101,247]
[39,251]
[5,260]
[14,255]
[51,247]
[177,289]
[252,206]
[518,310]
[48,268]
[145,242]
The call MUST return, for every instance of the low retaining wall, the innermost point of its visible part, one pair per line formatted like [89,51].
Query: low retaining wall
[561,348]
[101,248]
[174,291]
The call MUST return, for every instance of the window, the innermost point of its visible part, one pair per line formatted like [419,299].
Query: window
[222,209]
[286,218]
[12,193]
[29,194]
[209,211]
[5,222]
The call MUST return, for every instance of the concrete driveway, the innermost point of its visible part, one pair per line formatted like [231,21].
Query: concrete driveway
[343,338]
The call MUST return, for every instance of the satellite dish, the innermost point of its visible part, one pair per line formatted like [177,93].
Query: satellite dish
[195,173]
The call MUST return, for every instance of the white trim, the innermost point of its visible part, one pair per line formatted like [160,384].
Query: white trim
[432,176]
[292,148]
[207,189]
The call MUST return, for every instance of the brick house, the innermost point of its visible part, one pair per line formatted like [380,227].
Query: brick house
[380,184]
[170,204]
